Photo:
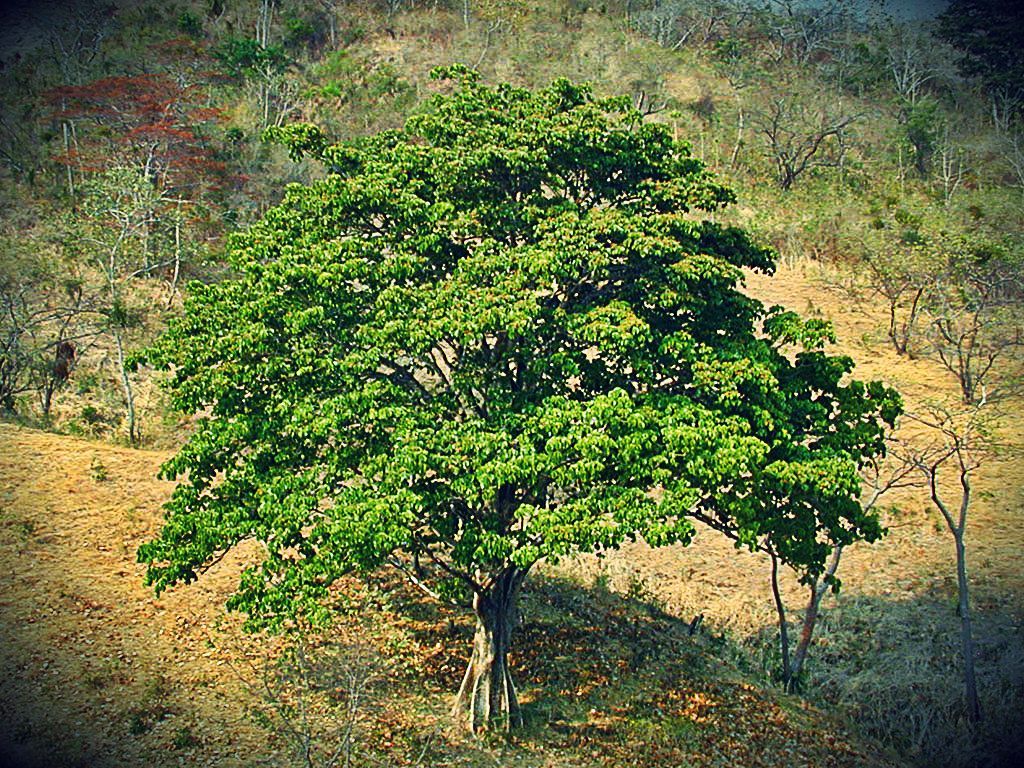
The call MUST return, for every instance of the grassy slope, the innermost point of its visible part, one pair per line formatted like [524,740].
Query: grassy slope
[607,679]
[97,672]
[121,678]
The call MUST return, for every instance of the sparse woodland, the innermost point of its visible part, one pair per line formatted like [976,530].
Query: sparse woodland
[641,375]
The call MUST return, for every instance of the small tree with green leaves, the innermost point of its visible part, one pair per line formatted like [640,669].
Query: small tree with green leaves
[880,477]
[264,65]
[500,335]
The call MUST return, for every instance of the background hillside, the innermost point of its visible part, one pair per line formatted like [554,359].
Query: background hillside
[883,160]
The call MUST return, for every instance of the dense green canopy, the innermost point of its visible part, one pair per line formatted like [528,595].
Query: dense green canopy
[499,335]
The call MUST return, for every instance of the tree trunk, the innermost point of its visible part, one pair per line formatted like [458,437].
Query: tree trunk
[780,610]
[894,335]
[126,390]
[966,634]
[806,635]
[911,322]
[177,257]
[786,176]
[957,527]
[817,592]
[487,696]
[67,153]
[739,139]
[47,397]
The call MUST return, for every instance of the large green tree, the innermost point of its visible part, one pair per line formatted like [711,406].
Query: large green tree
[500,335]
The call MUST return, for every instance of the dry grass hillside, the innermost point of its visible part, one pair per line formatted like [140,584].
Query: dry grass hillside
[888,642]
[96,672]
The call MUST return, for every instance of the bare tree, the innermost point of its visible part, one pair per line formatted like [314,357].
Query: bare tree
[799,138]
[956,444]
[900,271]
[110,234]
[1014,152]
[953,164]
[1005,102]
[734,63]
[671,24]
[330,12]
[646,105]
[909,60]
[75,38]
[317,695]
[42,328]
[674,23]
[68,338]
[18,321]
[976,325]
[799,31]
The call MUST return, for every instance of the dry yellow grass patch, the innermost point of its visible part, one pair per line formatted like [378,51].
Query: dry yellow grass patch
[94,669]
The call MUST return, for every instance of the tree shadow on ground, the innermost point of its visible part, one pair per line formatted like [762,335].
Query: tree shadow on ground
[614,680]
[608,679]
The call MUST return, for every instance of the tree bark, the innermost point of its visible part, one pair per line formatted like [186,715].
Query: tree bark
[780,610]
[966,634]
[487,697]
[817,592]
[806,635]
[126,390]
[958,527]
[177,257]
[739,139]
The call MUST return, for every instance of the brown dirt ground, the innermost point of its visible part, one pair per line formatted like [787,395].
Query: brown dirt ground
[84,647]
[95,671]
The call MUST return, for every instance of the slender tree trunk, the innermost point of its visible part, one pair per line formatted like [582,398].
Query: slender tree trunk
[177,258]
[894,336]
[739,139]
[126,389]
[958,527]
[818,590]
[787,175]
[911,322]
[47,396]
[487,696]
[487,45]
[780,610]
[966,633]
[69,169]
[806,635]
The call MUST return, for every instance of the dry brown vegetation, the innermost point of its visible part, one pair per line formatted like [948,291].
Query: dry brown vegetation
[95,671]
